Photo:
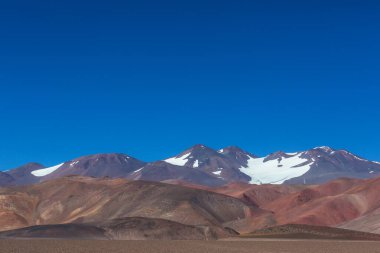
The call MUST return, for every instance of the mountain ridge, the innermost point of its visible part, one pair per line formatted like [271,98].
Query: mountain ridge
[203,165]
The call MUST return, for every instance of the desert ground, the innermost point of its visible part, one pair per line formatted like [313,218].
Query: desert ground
[236,245]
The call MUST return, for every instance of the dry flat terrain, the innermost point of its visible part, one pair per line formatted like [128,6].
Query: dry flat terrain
[240,246]
[297,231]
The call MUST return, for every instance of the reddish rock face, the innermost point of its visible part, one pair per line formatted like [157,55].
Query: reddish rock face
[350,203]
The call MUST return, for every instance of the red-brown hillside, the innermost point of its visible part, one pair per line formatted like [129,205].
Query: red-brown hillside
[331,204]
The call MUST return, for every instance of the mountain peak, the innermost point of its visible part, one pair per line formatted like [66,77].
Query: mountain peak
[104,155]
[23,174]
[26,168]
[276,154]
[192,156]
[196,150]
[200,147]
[325,149]
[231,149]
[31,165]
[235,151]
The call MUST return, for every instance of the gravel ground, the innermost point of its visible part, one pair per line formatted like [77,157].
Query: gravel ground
[241,246]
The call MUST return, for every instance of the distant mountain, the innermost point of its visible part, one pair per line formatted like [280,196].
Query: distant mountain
[6,179]
[313,166]
[100,165]
[327,164]
[23,174]
[224,164]
[204,166]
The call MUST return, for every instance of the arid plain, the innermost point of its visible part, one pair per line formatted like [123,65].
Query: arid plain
[239,246]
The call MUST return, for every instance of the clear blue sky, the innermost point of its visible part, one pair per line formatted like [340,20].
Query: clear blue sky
[151,78]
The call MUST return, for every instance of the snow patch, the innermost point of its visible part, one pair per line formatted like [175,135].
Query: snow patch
[73,163]
[45,171]
[325,148]
[275,171]
[217,172]
[136,171]
[179,161]
[196,164]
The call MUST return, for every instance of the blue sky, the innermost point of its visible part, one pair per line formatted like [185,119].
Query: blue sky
[151,78]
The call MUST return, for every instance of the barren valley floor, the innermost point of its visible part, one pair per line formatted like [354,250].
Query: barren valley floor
[238,246]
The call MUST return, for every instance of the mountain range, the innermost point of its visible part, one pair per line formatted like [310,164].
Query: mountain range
[202,165]
[200,193]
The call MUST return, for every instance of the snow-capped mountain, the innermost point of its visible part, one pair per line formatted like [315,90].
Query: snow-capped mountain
[327,164]
[221,164]
[20,175]
[6,179]
[314,166]
[205,166]
[100,165]
[317,165]
[234,164]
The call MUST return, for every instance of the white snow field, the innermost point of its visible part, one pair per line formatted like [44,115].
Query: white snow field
[45,171]
[275,171]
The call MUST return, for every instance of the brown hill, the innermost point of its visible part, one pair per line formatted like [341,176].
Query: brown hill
[90,200]
[259,195]
[132,228]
